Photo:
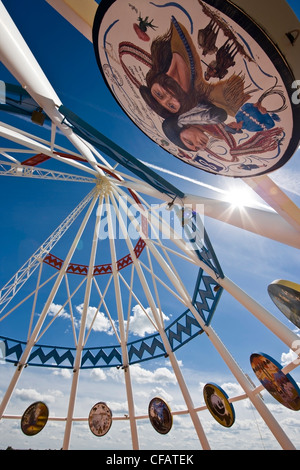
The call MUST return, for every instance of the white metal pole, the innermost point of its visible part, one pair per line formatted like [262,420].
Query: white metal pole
[80,342]
[35,299]
[130,400]
[277,327]
[13,134]
[19,60]
[270,192]
[262,409]
[261,222]
[39,324]
[233,366]
[266,223]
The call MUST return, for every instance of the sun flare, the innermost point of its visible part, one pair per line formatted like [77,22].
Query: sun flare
[240,197]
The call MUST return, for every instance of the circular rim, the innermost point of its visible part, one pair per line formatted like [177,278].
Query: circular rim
[162,424]
[34,418]
[276,382]
[108,415]
[264,42]
[286,297]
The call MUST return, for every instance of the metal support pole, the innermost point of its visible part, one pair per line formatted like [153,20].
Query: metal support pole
[260,406]
[13,134]
[131,410]
[233,366]
[266,415]
[272,323]
[184,390]
[80,342]
[265,187]
[19,60]
[265,223]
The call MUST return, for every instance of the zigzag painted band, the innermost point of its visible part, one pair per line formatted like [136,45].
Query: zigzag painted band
[181,331]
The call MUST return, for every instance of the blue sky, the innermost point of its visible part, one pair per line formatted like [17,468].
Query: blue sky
[32,209]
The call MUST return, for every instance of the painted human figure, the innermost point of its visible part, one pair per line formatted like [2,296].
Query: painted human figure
[192,132]
[175,82]
[177,74]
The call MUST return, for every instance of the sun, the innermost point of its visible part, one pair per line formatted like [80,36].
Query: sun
[241,196]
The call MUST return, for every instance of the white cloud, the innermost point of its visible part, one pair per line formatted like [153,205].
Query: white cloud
[26,394]
[118,408]
[65,373]
[98,374]
[232,389]
[288,357]
[292,423]
[140,375]
[99,323]
[116,374]
[55,309]
[160,375]
[139,323]
[161,392]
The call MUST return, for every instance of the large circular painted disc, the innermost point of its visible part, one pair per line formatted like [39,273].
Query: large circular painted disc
[218,405]
[34,418]
[100,419]
[286,296]
[202,80]
[281,386]
[160,415]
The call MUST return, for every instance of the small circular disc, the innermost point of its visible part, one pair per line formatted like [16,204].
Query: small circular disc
[281,386]
[218,405]
[100,419]
[160,415]
[34,418]
[286,296]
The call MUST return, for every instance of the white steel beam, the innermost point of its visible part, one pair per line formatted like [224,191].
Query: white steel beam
[43,315]
[133,427]
[80,342]
[265,187]
[14,135]
[27,171]
[181,382]
[48,143]
[79,14]
[264,223]
[267,416]
[19,60]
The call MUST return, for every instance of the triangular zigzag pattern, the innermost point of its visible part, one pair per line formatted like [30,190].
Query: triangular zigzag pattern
[101,355]
[209,290]
[145,348]
[16,349]
[52,355]
[182,329]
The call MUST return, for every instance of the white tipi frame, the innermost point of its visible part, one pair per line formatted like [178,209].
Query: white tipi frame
[20,62]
